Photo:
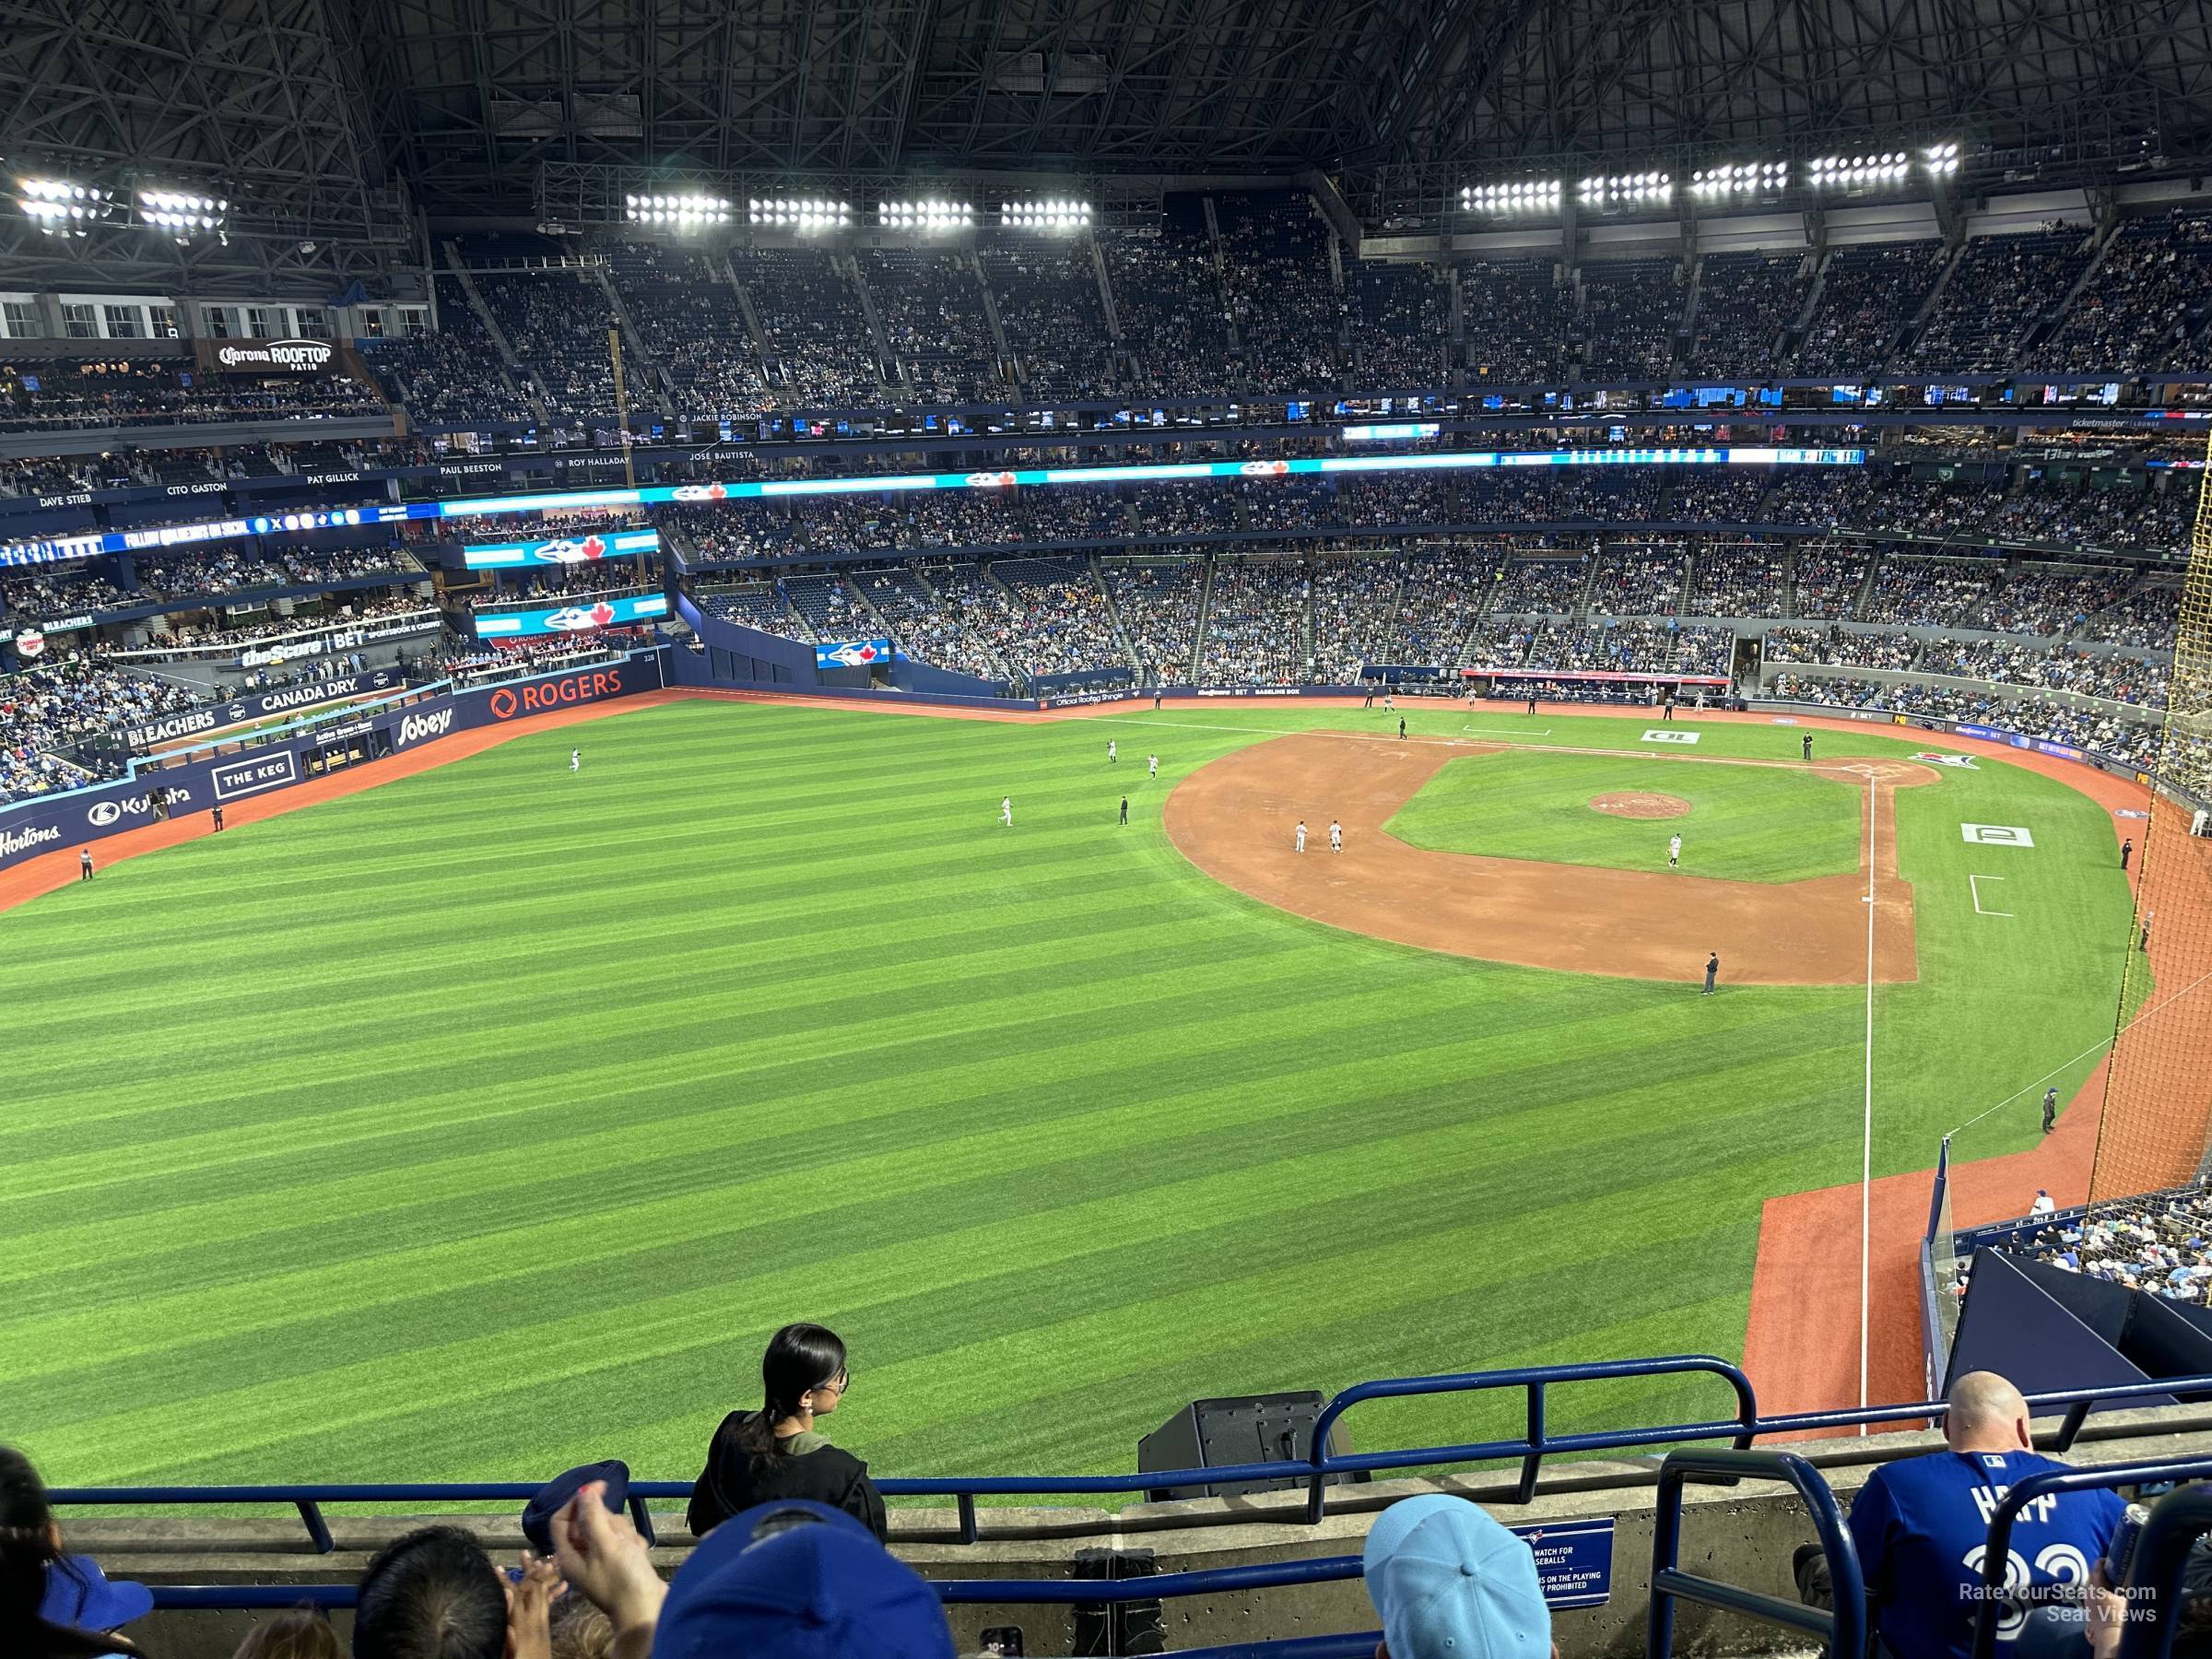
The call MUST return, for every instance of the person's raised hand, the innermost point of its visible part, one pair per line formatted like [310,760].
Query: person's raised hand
[602,1556]
[530,1609]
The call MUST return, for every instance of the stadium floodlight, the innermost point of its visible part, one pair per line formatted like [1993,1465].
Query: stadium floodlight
[1521,195]
[1853,171]
[1739,178]
[807,213]
[932,214]
[1617,189]
[60,208]
[1055,213]
[1941,159]
[182,213]
[686,212]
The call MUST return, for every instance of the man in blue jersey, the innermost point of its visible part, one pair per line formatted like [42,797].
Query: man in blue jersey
[1921,1525]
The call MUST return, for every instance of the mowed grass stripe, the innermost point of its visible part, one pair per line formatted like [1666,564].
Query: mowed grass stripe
[36,1347]
[869,1058]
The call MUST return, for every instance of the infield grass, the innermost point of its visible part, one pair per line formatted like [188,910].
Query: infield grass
[486,1122]
[1745,823]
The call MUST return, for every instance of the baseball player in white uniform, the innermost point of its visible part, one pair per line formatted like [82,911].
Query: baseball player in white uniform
[1301,835]
[575,760]
[1111,748]
[1674,852]
[1336,836]
[1005,811]
[1154,763]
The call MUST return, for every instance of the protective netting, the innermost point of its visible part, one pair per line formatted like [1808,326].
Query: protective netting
[2157,1127]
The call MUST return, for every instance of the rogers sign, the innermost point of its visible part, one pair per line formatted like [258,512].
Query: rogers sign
[538,697]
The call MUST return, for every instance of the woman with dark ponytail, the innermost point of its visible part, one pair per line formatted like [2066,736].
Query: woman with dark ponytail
[772,1454]
[30,1544]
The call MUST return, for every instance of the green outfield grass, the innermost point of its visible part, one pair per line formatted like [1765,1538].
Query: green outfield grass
[1746,823]
[488,1120]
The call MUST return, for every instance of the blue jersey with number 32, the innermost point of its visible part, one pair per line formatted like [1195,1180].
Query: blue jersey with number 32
[1921,1526]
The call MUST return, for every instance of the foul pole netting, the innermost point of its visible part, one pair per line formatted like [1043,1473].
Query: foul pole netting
[2157,1127]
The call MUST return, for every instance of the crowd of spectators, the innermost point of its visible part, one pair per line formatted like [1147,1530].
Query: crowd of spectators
[1716,495]
[1054,319]
[2052,599]
[169,634]
[556,322]
[2145,307]
[1549,583]
[1639,580]
[686,315]
[1158,603]
[75,393]
[1256,624]
[1868,296]
[1630,312]
[757,604]
[44,476]
[1400,324]
[830,610]
[1282,296]
[1930,592]
[2142,617]
[1747,302]
[71,587]
[931,305]
[189,575]
[1826,582]
[1518,318]
[820,347]
[1631,646]
[52,709]
[2117,676]
[1168,295]
[2161,1242]
[2001,290]
[453,375]
[1736,581]
[2131,741]
[1065,625]
[1851,647]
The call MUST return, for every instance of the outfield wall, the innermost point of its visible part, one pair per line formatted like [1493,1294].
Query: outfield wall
[59,823]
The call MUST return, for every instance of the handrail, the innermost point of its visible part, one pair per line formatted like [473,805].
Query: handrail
[1843,1631]
[2175,1524]
[1531,1449]
[1996,1554]
[1534,1380]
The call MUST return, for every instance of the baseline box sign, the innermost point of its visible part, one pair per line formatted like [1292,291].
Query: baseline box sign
[256,705]
[853,654]
[571,619]
[560,550]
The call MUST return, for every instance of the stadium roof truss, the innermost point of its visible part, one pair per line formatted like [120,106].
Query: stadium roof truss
[314,111]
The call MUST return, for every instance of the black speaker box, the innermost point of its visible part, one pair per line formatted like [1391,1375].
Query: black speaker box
[1208,1434]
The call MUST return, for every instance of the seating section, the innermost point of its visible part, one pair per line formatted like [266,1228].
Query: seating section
[1399,324]
[2002,288]
[557,325]
[2144,306]
[1868,296]
[1746,303]
[1519,317]
[1282,297]
[688,314]
[1630,312]
[820,349]
[1173,314]
[1054,321]
[931,305]
[451,376]
[52,711]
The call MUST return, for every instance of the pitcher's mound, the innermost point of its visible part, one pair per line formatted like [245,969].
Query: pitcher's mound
[1640,804]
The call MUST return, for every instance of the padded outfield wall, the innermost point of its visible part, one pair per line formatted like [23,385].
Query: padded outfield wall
[83,817]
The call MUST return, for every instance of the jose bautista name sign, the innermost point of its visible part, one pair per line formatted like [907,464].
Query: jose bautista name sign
[54,823]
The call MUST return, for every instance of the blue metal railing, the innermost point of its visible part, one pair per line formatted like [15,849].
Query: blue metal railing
[2172,1540]
[1842,1631]
[1536,1444]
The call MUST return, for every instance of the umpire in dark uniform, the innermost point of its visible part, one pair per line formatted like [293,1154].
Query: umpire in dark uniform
[1712,970]
[1808,741]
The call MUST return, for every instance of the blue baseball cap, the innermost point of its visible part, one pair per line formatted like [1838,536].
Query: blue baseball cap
[799,1581]
[79,1596]
[1452,1583]
[553,1497]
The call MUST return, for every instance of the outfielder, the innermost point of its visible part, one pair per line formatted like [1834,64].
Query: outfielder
[1005,811]
[1674,852]
[1111,748]
[575,760]
[1154,761]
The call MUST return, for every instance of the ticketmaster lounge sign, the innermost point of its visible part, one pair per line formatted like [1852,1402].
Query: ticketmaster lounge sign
[268,357]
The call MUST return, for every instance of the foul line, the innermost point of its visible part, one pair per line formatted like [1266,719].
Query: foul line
[1873,823]
[1976,891]
[2059,1071]
[1501,732]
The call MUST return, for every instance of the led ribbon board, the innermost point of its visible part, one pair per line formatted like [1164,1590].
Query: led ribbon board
[83,547]
[581,618]
[580,548]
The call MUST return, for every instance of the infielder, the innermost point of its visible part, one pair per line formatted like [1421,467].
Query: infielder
[1005,811]
[1154,764]
[1336,836]
[1301,835]
[1674,852]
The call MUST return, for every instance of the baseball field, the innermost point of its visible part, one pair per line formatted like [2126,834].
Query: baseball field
[487,1121]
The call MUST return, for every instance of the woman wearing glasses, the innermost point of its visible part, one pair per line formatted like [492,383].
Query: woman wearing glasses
[774,1452]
